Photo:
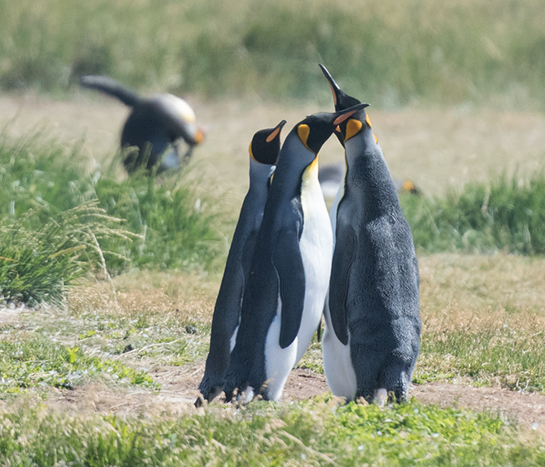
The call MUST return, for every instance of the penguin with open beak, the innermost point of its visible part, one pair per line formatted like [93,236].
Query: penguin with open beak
[289,275]
[264,150]
[154,127]
[372,335]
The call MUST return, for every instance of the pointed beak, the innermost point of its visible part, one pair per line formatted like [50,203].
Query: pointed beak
[276,131]
[335,89]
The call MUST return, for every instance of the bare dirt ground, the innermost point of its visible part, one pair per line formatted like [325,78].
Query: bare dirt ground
[179,392]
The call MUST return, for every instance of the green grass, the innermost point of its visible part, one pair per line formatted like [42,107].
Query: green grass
[40,362]
[512,357]
[40,259]
[388,53]
[311,433]
[506,214]
[61,220]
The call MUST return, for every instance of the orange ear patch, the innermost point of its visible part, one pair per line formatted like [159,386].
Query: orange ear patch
[353,127]
[199,137]
[368,121]
[303,131]
[250,151]
[408,185]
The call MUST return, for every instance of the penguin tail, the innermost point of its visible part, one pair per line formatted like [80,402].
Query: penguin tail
[111,87]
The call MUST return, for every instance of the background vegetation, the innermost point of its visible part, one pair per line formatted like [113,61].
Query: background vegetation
[464,52]
[61,220]
[68,225]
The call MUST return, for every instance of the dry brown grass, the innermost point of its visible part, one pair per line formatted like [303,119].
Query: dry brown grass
[435,148]
[184,297]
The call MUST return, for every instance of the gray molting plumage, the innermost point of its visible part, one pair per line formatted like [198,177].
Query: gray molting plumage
[374,287]
[153,128]
[281,294]
[264,151]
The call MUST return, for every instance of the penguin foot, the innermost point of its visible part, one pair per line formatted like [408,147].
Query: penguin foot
[381,397]
[199,402]
[246,396]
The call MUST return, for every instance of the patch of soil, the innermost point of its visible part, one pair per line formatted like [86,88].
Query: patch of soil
[179,392]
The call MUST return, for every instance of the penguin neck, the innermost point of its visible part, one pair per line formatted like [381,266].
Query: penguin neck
[293,162]
[259,176]
[367,175]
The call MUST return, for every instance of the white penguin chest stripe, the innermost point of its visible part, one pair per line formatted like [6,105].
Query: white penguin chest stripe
[316,246]
[278,361]
[337,362]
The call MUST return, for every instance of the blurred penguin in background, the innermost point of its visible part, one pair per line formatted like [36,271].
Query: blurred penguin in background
[154,129]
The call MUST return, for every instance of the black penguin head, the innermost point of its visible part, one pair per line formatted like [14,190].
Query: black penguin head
[341,100]
[265,145]
[314,130]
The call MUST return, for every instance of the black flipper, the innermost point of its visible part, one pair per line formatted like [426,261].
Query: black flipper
[288,263]
[343,257]
[111,87]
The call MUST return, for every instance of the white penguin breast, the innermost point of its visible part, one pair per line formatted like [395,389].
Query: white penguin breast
[316,246]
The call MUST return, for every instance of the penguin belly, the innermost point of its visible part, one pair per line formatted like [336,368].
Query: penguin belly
[337,362]
[316,245]
[278,361]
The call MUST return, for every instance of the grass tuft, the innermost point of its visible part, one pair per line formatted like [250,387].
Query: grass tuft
[40,261]
[39,362]
[312,433]
[506,214]
[60,221]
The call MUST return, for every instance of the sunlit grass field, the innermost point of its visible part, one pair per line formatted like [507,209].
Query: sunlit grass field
[107,284]
[461,53]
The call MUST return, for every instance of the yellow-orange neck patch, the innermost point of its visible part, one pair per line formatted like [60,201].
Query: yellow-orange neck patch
[353,127]
[376,139]
[408,185]
[303,131]
[368,120]
[199,137]
[311,171]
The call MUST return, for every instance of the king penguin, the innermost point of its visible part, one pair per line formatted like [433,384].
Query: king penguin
[154,126]
[289,276]
[264,150]
[372,336]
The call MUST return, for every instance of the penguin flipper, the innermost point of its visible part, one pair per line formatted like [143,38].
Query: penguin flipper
[343,258]
[288,263]
[111,87]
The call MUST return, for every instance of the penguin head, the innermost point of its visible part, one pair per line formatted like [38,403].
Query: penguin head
[340,99]
[265,145]
[314,130]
